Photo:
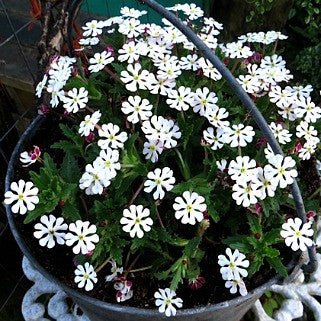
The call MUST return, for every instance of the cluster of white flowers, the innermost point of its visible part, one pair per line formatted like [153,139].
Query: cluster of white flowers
[233,270]
[59,72]
[262,76]
[254,183]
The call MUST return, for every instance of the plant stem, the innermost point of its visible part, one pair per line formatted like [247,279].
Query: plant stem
[140,187]
[315,193]
[275,46]
[185,169]
[103,265]
[132,265]
[112,74]
[141,269]
[159,218]
[239,150]
[235,65]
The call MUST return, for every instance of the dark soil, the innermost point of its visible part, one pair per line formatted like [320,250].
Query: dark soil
[59,261]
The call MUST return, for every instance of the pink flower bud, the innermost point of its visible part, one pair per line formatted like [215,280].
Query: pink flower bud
[196,283]
[89,138]
[260,142]
[89,253]
[110,49]
[43,110]
[310,215]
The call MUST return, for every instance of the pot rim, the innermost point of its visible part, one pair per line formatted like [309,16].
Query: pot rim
[88,299]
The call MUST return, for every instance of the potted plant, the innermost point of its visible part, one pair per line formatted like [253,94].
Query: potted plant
[151,186]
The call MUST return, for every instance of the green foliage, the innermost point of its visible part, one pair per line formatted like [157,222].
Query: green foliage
[259,8]
[74,145]
[52,190]
[259,245]
[185,266]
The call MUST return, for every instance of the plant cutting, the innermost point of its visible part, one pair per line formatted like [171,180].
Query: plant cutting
[155,183]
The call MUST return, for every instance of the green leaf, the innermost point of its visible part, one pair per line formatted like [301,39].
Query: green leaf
[69,169]
[271,252]
[238,242]
[70,211]
[255,265]
[271,237]
[49,165]
[43,207]
[177,278]
[192,246]
[254,223]
[277,264]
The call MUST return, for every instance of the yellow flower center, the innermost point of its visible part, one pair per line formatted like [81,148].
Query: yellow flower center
[248,190]
[158,181]
[281,171]
[111,137]
[204,101]
[95,176]
[21,196]
[86,276]
[243,170]
[189,208]
[298,233]
[232,265]
[137,221]
[107,163]
[80,237]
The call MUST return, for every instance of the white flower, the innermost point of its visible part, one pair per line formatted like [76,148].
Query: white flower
[192,11]
[56,94]
[136,220]
[297,235]
[306,108]
[282,135]
[288,112]
[180,99]
[165,130]
[169,71]
[93,28]
[282,98]
[131,28]
[124,290]
[50,230]
[280,170]
[94,179]
[99,61]
[151,149]
[190,62]
[233,266]
[159,179]
[114,271]
[84,235]
[209,70]
[130,52]
[189,208]
[239,135]
[307,150]
[308,132]
[272,62]
[249,83]
[166,302]
[131,12]
[215,140]
[238,50]
[216,117]
[242,169]
[24,195]
[28,158]
[232,285]
[88,125]
[212,23]
[41,86]
[135,78]
[221,165]
[204,101]
[300,91]
[91,41]
[85,276]
[263,185]
[113,138]
[75,100]
[137,108]
[161,86]
[245,193]
[108,160]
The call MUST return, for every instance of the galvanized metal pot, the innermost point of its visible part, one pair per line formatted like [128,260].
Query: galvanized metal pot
[96,310]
